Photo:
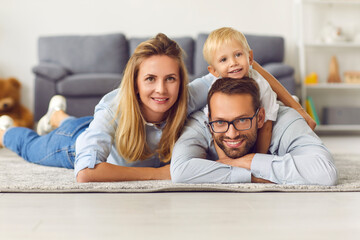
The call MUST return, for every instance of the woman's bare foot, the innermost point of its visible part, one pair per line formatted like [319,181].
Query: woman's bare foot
[2,132]
[57,103]
[5,123]
[57,117]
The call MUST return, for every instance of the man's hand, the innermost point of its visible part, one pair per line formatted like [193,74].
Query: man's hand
[259,180]
[243,162]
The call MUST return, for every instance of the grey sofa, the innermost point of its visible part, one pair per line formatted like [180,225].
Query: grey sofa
[84,68]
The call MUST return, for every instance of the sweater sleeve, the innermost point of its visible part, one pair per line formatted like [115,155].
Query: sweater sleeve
[94,144]
[198,91]
[298,155]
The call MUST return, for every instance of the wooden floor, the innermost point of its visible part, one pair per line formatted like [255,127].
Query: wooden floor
[186,215]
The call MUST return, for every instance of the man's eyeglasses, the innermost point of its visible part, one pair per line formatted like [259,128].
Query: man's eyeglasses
[240,124]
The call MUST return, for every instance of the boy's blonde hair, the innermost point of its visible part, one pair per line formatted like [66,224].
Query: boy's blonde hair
[222,36]
[130,135]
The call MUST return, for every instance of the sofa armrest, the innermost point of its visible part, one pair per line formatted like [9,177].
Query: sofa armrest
[279,70]
[50,71]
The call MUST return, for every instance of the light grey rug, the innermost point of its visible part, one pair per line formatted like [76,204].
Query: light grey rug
[17,175]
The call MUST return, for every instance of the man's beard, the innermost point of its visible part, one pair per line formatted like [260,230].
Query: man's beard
[233,153]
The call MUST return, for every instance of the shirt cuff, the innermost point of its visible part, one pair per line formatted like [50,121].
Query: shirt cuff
[240,175]
[88,160]
[261,165]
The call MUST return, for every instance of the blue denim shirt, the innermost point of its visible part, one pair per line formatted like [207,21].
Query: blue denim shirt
[96,143]
[297,155]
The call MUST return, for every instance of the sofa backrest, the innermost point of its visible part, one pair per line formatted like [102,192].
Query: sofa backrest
[200,63]
[265,48]
[86,54]
[110,53]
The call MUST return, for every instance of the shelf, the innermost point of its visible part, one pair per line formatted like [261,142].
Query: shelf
[327,86]
[314,54]
[335,44]
[333,1]
[342,129]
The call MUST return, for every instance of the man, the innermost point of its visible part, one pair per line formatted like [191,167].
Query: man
[218,148]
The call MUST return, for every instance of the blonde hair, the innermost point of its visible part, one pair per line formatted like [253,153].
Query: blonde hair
[130,135]
[222,36]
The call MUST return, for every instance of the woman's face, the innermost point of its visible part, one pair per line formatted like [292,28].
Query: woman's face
[158,85]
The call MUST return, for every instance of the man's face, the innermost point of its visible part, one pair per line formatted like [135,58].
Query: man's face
[234,143]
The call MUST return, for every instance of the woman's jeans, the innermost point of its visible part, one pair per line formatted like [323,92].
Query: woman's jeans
[56,149]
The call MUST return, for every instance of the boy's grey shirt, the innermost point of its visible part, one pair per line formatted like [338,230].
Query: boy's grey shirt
[297,155]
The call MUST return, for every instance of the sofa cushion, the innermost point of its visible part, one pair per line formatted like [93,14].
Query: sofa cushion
[86,54]
[95,84]
[186,43]
[289,83]
[266,49]
[279,70]
[50,71]
[200,63]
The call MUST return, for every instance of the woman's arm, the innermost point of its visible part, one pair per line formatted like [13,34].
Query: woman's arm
[283,95]
[198,90]
[107,172]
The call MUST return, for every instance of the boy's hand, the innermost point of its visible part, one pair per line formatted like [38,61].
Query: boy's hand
[311,122]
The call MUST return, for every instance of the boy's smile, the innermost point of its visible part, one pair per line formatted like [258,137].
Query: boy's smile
[231,60]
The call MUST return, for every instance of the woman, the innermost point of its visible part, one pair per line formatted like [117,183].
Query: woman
[134,127]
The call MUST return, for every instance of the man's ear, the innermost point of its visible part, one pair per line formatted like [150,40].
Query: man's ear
[261,117]
[212,70]
[251,57]
[208,115]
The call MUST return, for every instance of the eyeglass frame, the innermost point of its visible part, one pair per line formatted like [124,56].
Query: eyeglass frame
[232,123]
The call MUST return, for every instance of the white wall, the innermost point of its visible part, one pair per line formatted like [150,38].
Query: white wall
[22,22]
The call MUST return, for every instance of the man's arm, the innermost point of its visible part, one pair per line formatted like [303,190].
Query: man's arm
[189,163]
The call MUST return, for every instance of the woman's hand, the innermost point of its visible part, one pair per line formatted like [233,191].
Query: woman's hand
[107,172]
[164,173]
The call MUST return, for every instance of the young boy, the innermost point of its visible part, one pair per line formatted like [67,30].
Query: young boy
[228,54]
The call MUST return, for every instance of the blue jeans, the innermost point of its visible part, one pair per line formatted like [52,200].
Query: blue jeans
[56,149]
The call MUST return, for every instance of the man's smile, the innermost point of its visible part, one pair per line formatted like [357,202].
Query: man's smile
[233,144]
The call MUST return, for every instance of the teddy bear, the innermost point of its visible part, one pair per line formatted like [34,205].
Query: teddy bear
[10,103]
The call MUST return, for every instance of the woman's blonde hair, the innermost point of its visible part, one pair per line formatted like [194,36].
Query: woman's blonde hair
[222,36]
[130,135]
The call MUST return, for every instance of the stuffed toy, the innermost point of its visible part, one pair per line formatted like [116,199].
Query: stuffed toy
[10,103]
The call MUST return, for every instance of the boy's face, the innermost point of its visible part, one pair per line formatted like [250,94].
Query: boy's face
[231,60]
